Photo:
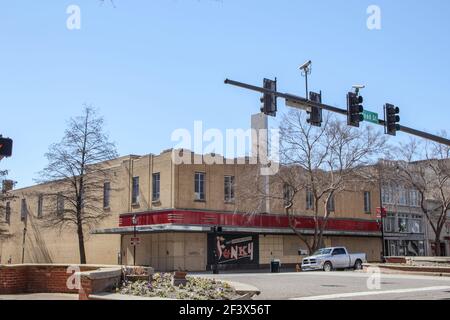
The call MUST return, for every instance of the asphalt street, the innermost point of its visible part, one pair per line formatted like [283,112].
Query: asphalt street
[345,285]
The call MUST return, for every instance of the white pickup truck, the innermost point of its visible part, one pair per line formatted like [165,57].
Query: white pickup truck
[328,259]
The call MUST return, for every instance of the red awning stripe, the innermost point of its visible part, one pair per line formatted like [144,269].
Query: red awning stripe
[201,218]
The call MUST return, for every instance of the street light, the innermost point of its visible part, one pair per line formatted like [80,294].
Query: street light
[134,222]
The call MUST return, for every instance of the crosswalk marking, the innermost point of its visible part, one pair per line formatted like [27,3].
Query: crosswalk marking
[371,293]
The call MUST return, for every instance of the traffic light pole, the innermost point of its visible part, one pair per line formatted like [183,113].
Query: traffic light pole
[307,103]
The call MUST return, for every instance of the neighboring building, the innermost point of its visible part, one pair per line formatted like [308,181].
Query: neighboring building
[175,208]
[405,224]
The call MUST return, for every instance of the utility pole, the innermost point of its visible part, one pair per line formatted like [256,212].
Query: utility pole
[382,211]
[134,222]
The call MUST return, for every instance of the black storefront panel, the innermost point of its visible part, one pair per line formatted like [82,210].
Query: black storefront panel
[234,251]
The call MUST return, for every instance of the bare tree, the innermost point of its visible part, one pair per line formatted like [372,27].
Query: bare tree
[78,169]
[425,166]
[323,161]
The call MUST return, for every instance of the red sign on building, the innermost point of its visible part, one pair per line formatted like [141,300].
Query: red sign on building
[381,213]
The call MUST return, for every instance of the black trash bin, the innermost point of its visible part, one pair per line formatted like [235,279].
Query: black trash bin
[275,266]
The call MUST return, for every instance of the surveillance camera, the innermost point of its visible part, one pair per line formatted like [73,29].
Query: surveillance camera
[359,86]
[306,65]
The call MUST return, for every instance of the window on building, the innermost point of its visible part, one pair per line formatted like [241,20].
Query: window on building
[106,194]
[387,194]
[392,246]
[402,198]
[330,204]
[199,186]
[40,206]
[403,223]
[59,204]
[367,202]
[389,223]
[135,191]
[156,180]
[23,210]
[415,224]
[414,198]
[8,213]
[309,200]
[229,188]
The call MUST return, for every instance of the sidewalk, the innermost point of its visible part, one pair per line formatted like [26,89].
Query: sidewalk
[40,296]
[249,271]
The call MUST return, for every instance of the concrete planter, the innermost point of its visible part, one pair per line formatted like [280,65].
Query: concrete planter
[245,292]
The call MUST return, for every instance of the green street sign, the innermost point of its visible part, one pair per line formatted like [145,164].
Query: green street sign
[370,116]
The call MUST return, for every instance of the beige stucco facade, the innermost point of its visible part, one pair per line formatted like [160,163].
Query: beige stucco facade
[166,250]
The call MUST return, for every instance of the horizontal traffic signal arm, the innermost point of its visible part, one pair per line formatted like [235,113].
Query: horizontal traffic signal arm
[309,103]
[287,96]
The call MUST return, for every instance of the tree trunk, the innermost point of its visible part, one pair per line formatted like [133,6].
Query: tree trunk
[437,246]
[81,243]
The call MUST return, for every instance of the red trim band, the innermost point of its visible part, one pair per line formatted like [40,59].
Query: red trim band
[202,218]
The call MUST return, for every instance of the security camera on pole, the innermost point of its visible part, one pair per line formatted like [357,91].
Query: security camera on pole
[306,70]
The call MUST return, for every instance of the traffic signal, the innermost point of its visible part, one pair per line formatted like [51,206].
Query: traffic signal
[315,116]
[269,101]
[354,109]
[5,147]
[391,119]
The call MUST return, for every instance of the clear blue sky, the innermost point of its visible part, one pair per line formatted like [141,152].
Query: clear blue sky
[155,66]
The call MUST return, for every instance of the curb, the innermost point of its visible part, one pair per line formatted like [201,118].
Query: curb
[406,270]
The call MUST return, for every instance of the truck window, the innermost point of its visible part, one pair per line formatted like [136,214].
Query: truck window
[338,252]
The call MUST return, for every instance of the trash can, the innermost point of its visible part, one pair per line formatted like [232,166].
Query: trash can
[275,266]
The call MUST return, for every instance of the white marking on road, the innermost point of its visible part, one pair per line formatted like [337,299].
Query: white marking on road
[329,274]
[371,293]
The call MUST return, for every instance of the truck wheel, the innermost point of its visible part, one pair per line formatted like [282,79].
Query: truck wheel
[327,266]
[358,265]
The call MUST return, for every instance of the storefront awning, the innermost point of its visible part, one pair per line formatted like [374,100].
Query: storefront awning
[230,229]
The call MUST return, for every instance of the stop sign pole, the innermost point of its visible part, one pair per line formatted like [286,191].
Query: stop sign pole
[134,222]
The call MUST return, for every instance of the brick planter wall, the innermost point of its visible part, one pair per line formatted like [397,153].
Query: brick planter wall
[400,260]
[13,280]
[31,278]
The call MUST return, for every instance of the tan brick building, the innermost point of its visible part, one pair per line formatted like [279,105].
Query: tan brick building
[175,208]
